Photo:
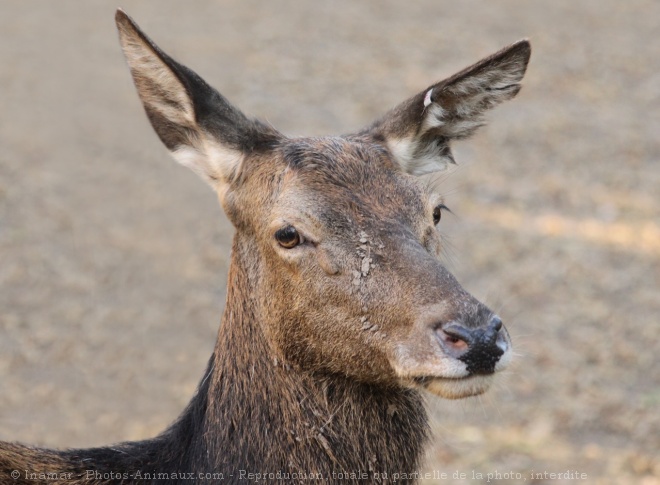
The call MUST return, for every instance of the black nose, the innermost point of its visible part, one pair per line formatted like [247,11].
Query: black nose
[480,348]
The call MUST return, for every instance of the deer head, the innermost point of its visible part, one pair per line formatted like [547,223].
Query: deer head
[338,234]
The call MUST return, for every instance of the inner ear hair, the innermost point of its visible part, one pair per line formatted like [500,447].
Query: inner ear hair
[418,132]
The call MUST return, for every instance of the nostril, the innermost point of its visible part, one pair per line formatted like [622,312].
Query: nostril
[501,342]
[455,339]
[501,339]
[495,323]
[458,332]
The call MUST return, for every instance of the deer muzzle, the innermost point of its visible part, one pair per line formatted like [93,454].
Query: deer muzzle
[479,348]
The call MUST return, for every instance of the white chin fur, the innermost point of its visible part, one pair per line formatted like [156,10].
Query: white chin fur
[459,388]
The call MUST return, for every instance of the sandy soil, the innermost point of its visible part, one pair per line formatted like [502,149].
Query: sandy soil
[113,259]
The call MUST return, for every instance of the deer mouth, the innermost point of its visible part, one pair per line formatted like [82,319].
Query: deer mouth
[456,387]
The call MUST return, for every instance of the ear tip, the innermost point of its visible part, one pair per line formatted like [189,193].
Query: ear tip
[120,15]
[522,48]
[123,21]
[525,45]
[524,42]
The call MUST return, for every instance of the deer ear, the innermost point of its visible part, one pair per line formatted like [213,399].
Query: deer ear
[202,130]
[418,131]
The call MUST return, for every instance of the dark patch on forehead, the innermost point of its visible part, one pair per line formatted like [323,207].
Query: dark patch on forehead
[333,152]
[356,176]
[338,161]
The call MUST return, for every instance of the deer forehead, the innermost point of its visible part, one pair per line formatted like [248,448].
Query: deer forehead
[347,180]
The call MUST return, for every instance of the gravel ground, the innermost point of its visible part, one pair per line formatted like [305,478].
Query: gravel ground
[113,259]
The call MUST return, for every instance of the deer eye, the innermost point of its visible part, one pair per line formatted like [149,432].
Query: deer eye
[437,213]
[288,237]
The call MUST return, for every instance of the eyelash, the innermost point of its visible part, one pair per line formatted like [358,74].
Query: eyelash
[437,213]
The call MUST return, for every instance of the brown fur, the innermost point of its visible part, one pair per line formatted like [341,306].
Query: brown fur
[325,345]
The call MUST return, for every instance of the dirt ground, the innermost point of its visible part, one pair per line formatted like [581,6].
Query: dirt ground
[113,259]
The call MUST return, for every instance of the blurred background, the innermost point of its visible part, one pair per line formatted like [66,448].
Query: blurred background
[113,259]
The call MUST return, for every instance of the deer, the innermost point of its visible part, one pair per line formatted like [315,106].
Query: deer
[339,312]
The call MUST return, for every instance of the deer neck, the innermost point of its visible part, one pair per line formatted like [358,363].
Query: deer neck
[262,415]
